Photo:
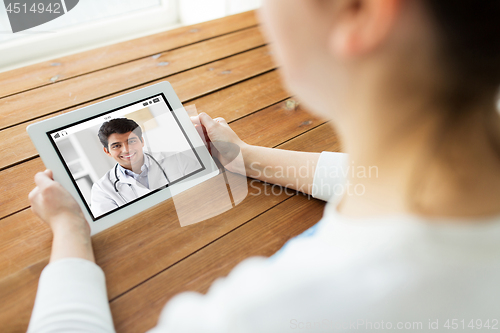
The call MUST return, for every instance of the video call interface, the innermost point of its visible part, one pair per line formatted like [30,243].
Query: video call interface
[132,165]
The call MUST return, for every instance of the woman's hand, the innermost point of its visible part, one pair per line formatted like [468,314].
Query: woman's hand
[56,207]
[221,140]
[266,164]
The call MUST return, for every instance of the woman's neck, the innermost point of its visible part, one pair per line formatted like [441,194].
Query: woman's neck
[426,165]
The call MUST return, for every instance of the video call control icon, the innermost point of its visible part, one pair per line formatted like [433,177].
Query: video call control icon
[156,100]
[60,134]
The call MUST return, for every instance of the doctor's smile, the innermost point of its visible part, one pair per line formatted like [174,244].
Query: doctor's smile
[126,149]
[128,157]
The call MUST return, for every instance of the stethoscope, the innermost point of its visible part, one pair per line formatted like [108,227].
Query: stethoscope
[133,189]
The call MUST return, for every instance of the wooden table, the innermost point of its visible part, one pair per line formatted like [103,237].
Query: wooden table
[223,67]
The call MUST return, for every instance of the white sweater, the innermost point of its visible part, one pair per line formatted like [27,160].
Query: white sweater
[400,273]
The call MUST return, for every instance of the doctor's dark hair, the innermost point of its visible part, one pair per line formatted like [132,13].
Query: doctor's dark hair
[120,126]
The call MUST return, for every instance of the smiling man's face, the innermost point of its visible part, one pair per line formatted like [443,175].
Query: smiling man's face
[126,149]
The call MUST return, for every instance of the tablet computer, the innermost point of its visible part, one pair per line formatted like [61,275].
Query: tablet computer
[124,155]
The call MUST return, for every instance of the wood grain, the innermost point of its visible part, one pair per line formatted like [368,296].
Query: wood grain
[276,124]
[244,98]
[17,297]
[24,241]
[16,184]
[321,138]
[59,69]
[139,309]
[222,73]
[48,99]
[269,127]
[231,103]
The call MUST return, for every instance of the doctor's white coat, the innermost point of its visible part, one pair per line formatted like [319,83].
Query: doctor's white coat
[105,198]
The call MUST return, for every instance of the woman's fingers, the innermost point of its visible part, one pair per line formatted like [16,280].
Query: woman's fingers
[33,194]
[207,121]
[43,179]
[221,120]
[49,173]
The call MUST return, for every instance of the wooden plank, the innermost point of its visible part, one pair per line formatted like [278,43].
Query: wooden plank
[24,241]
[220,74]
[16,184]
[20,108]
[56,70]
[230,103]
[321,138]
[17,297]
[268,127]
[139,309]
[276,124]
[243,98]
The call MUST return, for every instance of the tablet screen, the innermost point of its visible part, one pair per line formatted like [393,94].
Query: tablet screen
[126,154]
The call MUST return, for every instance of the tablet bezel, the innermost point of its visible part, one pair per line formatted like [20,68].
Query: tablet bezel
[38,133]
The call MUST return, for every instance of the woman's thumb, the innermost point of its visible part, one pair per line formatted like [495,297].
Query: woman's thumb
[49,174]
[206,120]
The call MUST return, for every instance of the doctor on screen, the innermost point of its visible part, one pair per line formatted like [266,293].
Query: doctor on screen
[136,172]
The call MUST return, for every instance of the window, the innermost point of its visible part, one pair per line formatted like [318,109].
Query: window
[95,23]
[195,11]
